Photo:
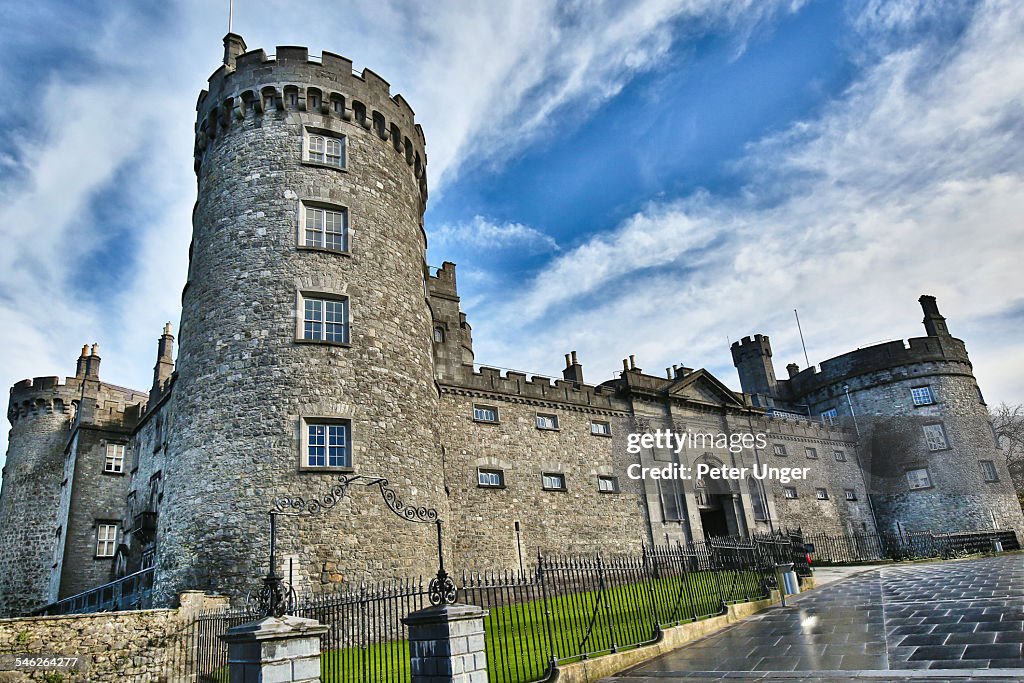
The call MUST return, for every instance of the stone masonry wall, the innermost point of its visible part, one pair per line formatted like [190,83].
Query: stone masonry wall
[40,413]
[579,519]
[892,431]
[133,647]
[246,378]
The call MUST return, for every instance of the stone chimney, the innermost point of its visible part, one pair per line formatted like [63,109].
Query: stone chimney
[83,362]
[573,370]
[164,367]
[233,46]
[92,363]
[934,323]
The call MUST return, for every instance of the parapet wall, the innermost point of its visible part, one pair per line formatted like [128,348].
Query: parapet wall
[543,389]
[261,85]
[43,395]
[880,357]
[132,647]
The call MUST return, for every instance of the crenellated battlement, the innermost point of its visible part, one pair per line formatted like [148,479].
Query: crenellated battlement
[255,84]
[543,389]
[880,357]
[43,396]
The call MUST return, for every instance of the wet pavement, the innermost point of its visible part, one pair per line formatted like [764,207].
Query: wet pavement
[956,621]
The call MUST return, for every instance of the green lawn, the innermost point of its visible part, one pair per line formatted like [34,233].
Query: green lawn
[519,639]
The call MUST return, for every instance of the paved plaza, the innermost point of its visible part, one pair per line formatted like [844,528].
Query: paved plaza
[955,620]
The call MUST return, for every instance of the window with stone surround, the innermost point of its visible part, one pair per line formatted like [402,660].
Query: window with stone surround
[779,449]
[922,396]
[114,462]
[324,319]
[811,453]
[600,428]
[490,478]
[821,494]
[553,481]
[919,478]
[547,421]
[988,470]
[106,539]
[324,226]
[485,413]
[789,492]
[607,483]
[439,335]
[850,494]
[829,415]
[326,443]
[935,437]
[322,147]
[756,500]
[840,456]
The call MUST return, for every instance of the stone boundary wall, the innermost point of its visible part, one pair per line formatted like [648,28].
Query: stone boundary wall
[145,646]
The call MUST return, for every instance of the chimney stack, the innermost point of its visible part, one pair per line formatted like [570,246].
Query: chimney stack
[573,370]
[83,362]
[92,363]
[164,367]
[934,323]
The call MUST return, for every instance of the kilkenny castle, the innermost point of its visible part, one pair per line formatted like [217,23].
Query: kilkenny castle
[315,342]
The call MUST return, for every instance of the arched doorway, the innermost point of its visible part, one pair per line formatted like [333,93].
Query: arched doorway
[716,503]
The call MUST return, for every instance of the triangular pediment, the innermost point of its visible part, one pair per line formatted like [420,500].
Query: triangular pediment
[700,386]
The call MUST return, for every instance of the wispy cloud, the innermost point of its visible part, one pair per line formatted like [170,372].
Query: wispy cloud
[481,233]
[910,182]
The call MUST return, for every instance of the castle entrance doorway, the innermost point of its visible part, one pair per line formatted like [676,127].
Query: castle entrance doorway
[713,519]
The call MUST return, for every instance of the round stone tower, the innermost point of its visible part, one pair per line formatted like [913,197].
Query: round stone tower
[40,412]
[305,344]
[926,435]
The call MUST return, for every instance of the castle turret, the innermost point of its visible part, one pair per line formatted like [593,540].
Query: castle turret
[40,412]
[305,337]
[934,323]
[753,360]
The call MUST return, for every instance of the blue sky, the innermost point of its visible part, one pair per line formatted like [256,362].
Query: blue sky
[652,178]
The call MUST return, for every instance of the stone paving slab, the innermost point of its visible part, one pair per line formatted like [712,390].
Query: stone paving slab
[956,620]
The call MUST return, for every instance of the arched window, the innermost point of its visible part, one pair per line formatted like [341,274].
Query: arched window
[439,335]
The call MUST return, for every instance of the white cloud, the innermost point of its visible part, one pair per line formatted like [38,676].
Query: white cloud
[481,233]
[911,182]
[484,79]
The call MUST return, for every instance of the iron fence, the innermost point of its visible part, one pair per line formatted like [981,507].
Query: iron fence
[131,592]
[879,547]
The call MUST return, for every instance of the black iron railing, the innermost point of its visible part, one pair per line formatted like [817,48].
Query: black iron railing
[878,547]
[563,609]
[132,592]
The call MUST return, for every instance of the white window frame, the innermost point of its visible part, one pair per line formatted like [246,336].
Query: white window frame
[600,428]
[922,396]
[779,449]
[916,482]
[324,148]
[490,478]
[850,494]
[988,470]
[553,481]
[840,456]
[820,494]
[830,415]
[790,493]
[114,459]
[310,316]
[811,452]
[332,439]
[935,437]
[324,226]
[480,414]
[611,481]
[106,539]
[547,422]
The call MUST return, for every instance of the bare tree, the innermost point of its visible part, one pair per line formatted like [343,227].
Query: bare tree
[1008,423]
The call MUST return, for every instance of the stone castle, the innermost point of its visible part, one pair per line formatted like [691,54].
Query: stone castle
[316,342]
